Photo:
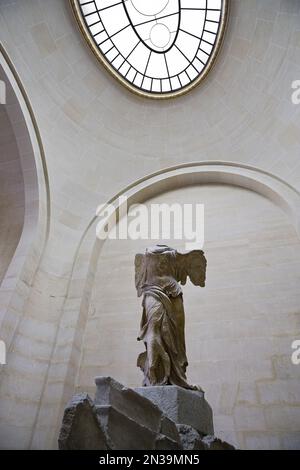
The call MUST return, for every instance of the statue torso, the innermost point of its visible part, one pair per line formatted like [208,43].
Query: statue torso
[160,270]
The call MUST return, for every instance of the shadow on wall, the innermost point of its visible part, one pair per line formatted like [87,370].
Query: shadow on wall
[12,193]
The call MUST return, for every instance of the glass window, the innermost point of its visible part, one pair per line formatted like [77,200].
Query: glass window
[157,47]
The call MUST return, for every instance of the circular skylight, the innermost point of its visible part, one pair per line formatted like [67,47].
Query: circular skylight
[158,48]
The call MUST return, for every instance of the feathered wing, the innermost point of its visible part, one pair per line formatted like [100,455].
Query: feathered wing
[192,265]
[139,263]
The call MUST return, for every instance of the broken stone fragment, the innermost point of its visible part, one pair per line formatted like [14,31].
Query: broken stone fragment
[124,419]
[122,432]
[109,392]
[80,429]
[132,405]
[190,438]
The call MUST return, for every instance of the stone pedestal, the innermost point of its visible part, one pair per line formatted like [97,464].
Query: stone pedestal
[129,420]
[148,418]
[181,406]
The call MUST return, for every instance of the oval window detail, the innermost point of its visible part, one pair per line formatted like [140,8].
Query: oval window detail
[157,48]
[156,22]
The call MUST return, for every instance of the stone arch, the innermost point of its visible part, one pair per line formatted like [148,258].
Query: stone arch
[80,286]
[24,262]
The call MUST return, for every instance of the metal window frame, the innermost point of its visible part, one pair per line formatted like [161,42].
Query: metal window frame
[75,6]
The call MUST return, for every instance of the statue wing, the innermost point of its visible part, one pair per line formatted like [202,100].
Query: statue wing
[192,265]
[139,263]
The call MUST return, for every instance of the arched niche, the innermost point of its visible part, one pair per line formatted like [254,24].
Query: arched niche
[236,327]
[86,262]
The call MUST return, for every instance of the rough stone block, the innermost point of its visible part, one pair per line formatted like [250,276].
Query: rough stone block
[190,438]
[169,428]
[80,429]
[111,393]
[123,433]
[181,406]
[121,419]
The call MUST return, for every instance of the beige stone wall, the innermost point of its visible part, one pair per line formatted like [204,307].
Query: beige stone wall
[239,328]
[98,138]
[12,197]
[23,191]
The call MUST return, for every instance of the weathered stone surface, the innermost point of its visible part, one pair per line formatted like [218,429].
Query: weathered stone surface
[169,429]
[190,438]
[80,429]
[121,419]
[213,443]
[131,421]
[111,393]
[122,432]
[165,443]
[182,406]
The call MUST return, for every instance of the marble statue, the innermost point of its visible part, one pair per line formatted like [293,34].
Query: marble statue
[158,275]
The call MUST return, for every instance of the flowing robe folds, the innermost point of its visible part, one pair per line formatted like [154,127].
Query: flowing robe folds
[158,275]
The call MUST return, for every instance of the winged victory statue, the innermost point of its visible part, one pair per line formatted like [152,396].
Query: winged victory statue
[159,274]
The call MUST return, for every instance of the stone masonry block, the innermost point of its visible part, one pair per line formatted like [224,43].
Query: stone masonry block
[181,406]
